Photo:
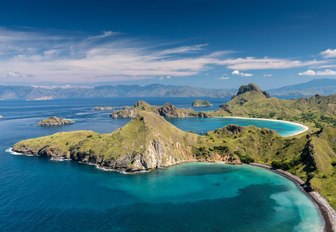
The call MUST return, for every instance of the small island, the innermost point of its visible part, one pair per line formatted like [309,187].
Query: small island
[201,103]
[55,121]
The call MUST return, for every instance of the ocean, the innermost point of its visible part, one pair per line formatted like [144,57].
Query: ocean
[40,195]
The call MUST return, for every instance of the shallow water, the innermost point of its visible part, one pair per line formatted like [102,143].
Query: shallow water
[203,125]
[42,195]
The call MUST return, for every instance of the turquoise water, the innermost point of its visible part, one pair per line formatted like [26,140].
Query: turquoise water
[41,195]
[203,125]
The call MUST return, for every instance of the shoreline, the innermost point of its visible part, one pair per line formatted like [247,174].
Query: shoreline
[304,127]
[327,212]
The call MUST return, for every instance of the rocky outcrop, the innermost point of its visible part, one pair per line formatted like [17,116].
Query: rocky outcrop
[55,121]
[229,130]
[168,110]
[201,103]
[226,108]
[251,87]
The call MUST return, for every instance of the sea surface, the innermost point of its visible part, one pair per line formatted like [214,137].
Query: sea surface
[40,195]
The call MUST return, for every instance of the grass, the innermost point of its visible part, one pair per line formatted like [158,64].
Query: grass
[311,155]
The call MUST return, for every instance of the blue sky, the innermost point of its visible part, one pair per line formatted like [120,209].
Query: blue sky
[207,43]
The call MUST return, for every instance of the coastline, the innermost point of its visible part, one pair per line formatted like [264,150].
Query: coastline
[327,212]
[304,127]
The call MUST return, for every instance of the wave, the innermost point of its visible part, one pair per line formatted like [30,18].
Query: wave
[10,150]
[59,159]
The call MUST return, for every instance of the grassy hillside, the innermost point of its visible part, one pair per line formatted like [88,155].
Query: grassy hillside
[146,142]
[317,111]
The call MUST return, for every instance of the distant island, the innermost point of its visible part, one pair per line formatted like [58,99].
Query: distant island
[201,103]
[149,142]
[54,121]
[307,89]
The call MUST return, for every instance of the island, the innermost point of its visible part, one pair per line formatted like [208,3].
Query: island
[168,110]
[54,121]
[150,142]
[201,103]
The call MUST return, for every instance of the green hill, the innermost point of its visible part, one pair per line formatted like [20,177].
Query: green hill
[316,111]
[147,142]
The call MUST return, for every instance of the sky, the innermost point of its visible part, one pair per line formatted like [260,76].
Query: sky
[203,43]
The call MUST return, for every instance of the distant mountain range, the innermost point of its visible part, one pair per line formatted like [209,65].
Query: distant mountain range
[155,90]
[320,86]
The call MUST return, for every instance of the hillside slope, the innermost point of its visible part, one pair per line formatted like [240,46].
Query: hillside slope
[316,110]
[147,142]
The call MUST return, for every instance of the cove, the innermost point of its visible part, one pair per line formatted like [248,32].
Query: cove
[67,196]
[203,125]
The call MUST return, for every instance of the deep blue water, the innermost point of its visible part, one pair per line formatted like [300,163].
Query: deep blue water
[41,195]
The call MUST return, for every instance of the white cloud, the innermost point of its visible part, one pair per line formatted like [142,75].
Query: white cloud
[327,72]
[183,49]
[75,58]
[329,53]
[238,73]
[252,63]
[308,73]
[13,75]
[223,78]
[268,75]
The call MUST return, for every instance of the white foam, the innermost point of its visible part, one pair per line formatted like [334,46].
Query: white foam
[10,150]
[58,159]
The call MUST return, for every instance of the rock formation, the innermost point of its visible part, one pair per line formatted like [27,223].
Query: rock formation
[201,103]
[55,121]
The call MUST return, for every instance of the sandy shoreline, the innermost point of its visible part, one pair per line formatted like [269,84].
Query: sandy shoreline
[304,128]
[328,213]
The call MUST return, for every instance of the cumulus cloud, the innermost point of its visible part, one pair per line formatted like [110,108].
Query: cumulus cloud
[49,57]
[238,73]
[329,53]
[327,72]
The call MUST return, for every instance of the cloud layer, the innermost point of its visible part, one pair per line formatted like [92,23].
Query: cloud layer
[327,72]
[27,56]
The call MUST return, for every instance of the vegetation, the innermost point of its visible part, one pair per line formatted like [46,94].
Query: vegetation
[201,103]
[149,141]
